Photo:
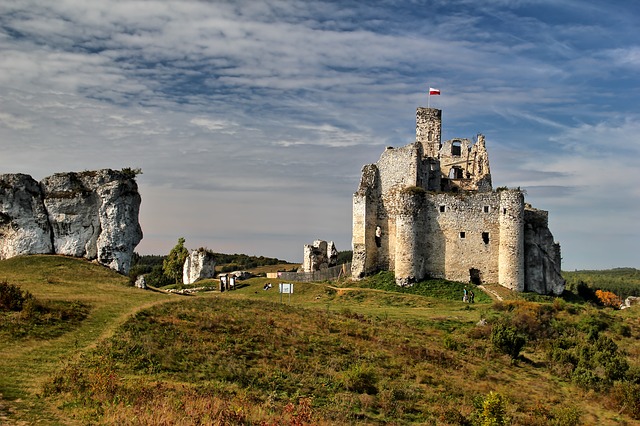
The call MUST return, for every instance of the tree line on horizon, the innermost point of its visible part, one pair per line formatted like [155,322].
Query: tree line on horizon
[161,270]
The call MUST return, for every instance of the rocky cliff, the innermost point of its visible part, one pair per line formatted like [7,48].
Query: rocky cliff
[91,214]
[200,264]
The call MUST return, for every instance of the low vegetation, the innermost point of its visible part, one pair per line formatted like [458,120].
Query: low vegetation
[363,352]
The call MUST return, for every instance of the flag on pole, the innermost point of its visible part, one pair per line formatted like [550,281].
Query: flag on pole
[433,91]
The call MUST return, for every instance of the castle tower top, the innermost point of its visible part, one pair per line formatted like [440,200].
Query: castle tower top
[429,130]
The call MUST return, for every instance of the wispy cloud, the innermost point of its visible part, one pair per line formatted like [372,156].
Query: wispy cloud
[281,103]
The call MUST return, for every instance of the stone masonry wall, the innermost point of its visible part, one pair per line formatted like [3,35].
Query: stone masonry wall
[466,238]
[511,257]
[411,217]
[429,130]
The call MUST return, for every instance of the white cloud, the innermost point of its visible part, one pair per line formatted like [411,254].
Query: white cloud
[13,122]
[289,99]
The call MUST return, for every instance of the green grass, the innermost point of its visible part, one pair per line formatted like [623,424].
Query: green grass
[27,362]
[333,353]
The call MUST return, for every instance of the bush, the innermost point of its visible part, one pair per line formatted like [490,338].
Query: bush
[626,395]
[594,323]
[11,297]
[494,411]
[507,340]
[607,298]
[567,416]
[361,379]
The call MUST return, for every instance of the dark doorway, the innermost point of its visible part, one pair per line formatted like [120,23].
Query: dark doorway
[474,276]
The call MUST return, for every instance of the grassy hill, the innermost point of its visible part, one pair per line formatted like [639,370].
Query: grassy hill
[89,349]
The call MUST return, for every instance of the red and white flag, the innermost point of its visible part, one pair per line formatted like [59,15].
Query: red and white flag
[433,91]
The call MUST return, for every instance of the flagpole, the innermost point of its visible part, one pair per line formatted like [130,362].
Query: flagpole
[429,100]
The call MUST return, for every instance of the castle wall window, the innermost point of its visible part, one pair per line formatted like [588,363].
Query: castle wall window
[456,172]
[442,208]
[456,148]
[462,235]
[486,209]
[485,237]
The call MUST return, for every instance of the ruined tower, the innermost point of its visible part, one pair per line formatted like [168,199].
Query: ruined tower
[428,209]
[429,130]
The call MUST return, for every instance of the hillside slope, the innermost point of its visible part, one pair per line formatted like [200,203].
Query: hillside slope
[326,354]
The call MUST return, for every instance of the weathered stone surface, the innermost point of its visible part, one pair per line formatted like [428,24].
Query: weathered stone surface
[319,256]
[428,209]
[24,225]
[630,301]
[199,265]
[92,214]
[542,255]
[141,282]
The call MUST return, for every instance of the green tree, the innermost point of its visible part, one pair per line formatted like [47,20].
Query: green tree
[173,264]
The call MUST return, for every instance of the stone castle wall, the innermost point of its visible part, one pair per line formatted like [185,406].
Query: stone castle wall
[453,226]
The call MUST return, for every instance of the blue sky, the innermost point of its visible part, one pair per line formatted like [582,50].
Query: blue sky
[251,120]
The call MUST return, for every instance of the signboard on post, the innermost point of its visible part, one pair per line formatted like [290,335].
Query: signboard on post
[286,288]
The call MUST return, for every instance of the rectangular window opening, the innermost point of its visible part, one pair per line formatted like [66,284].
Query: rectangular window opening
[462,234]
[486,209]
[442,209]
[485,237]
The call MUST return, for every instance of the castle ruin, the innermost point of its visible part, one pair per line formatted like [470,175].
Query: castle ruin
[428,209]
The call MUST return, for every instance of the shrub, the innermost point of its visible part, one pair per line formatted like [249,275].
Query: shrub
[607,298]
[626,395]
[494,411]
[362,379]
[507,340]
[586,292]
[567,416]
[11,297]
[594,323]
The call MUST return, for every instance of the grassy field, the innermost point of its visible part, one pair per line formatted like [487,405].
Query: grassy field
[92,350]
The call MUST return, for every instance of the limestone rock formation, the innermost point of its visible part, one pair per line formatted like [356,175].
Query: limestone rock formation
[91,214]
[24,225]
[200,264]
[319,256]
[141,282]
[542,254]
[630,301]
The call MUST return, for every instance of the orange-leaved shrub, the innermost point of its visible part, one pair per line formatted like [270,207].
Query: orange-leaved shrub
[608,298]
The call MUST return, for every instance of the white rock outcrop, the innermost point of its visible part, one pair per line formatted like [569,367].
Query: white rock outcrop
[24,224]
[630,301]
[91,214]
[200,264]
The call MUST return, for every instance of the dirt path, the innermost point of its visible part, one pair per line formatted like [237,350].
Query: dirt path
[491,293]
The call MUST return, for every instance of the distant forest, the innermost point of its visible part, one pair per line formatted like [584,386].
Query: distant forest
[624,282]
